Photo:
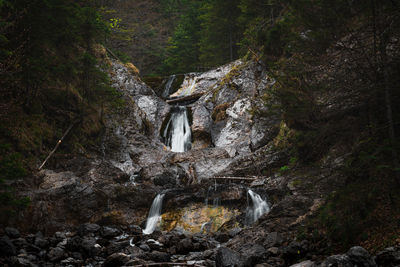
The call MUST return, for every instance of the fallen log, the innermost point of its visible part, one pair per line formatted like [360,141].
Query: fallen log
[237,178]
[184,98]
[57,145]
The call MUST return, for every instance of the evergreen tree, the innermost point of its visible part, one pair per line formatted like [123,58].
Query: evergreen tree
[182,53]
[47,41]
[219,32]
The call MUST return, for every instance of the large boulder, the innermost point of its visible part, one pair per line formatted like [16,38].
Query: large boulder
[7,248]
[388,257]
[228,258]
[153,111]
[337,260]
[359,256]
[124,80]
[252,254]
[115,260]
[12,232]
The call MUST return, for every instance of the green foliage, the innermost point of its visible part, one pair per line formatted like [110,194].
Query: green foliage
[182,52]
[115,23]
[60,34]
[10,164]
[284,169]
[219,32]
[52,73]
[205,36]
[348,213]
[11,168]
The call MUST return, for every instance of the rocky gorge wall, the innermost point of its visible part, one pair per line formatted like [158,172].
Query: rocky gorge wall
[236,133]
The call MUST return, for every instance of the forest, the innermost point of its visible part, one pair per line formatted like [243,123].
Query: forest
[318,80]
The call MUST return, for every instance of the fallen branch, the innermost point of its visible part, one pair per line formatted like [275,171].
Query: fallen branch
[57,145]
[111,53]
[184,98]
[238,178]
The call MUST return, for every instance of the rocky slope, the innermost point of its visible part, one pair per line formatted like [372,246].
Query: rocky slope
[90,209]
[95,245]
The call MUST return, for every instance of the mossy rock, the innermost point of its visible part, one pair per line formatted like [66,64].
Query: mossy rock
[192,218]
[219,112]
[132,68]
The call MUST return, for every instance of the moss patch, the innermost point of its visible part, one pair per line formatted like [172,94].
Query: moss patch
[191,218]
[219,112]
[132,68]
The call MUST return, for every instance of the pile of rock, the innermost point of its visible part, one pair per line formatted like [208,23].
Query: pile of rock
[358,256]
[95,245]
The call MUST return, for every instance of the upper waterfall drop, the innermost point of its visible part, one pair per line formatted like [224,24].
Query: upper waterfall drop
[259,207]
[188,86]
[154,215]
[168,85]
[177,134]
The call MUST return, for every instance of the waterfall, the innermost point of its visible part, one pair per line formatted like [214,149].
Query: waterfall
[190,88]
[177,133]
[258,208]
[154,215]
[212,189]
[168,86]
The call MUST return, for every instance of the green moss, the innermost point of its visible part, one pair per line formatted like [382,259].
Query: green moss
[297,182]
[227,80]
[11,168]
[284,169]
[219,112]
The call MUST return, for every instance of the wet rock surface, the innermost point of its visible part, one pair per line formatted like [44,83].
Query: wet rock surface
[99,201]
[131,247]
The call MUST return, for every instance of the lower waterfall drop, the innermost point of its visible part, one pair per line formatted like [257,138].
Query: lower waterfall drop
[258,208]
[177,133]
[154,215]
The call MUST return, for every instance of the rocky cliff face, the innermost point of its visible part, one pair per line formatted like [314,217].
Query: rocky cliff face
[236,134]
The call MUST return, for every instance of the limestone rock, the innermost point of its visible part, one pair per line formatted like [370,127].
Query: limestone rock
[110,232]
[252,254]
[116,259]
[56,254]
[337,260]
[304,264]
[227,258]
[158,256]
[359,256]
[87,228]
[388,257]
[7,248]
[12,232]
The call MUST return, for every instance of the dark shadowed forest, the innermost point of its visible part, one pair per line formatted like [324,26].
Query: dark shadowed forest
[199,133]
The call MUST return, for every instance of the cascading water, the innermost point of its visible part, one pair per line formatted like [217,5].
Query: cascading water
[189,89]
[154,215]
[258,208]
[212,189]
[188,86]
[168,86]
[177,134]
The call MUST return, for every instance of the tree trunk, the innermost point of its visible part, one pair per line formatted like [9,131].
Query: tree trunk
[230,44]
[388,106]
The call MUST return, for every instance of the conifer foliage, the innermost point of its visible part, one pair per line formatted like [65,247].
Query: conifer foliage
[48,42]
[49,77]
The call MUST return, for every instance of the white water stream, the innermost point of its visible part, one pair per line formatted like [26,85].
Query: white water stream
[168,86]
[154,215]
[177,133]
[259,207]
